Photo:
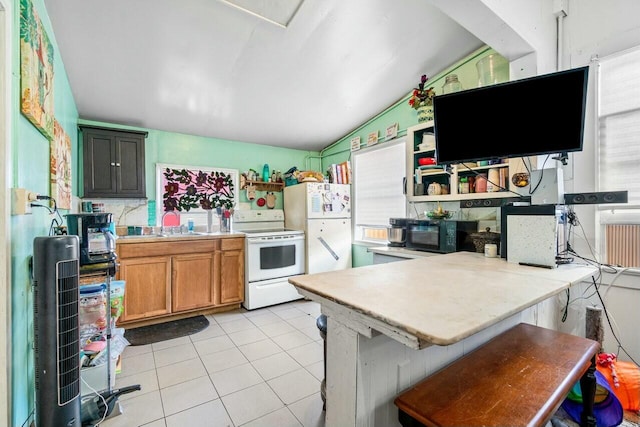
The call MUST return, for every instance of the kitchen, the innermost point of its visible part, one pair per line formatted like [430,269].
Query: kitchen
[28,154]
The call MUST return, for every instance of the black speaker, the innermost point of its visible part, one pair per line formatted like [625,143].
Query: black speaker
[596,198]
[492,203]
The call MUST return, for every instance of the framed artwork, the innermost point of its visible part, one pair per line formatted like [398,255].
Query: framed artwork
[392,131]
[355,143]
[372,139]
[194,189]
[60,167]
[36,71]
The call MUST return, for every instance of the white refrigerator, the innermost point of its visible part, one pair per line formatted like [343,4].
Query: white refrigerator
[323,212]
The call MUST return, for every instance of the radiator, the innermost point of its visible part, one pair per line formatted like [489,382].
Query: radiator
[623,244]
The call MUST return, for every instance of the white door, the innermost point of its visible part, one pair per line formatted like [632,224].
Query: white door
[328,245]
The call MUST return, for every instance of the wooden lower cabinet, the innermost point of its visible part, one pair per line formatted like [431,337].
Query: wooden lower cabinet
[174,277]
[147,287]
[232,271]
[193,281]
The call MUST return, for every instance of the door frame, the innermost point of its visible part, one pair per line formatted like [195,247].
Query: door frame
[6,90]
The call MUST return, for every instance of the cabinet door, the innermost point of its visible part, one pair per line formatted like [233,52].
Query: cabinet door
[194,281]
[147,291]
[232,271]
[99,165]
[130,166]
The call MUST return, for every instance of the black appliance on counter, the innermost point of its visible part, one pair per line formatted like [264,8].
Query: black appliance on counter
[397,232]
[440,235]
[97,242]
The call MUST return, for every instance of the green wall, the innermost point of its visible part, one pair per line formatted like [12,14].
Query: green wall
[405,116]
[30,170]
[190,150]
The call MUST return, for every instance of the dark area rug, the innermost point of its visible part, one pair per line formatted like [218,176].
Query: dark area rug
[166,331]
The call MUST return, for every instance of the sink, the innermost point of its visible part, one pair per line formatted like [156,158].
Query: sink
[148,236]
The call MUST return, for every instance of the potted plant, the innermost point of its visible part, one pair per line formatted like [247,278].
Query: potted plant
[422,100]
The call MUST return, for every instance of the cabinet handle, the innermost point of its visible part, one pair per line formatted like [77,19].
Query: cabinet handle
[118,164]
[113,164]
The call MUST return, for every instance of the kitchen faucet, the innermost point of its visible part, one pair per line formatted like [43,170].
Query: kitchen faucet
[164,215]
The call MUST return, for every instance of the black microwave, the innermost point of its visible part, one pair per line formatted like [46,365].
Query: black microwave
[440,235]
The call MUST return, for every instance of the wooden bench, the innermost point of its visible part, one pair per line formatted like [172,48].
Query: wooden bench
[519,378]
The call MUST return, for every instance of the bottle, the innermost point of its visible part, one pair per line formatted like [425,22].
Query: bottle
[265,173]
[190,225]
[273,176]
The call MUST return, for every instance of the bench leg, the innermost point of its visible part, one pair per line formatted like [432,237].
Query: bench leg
[588,388]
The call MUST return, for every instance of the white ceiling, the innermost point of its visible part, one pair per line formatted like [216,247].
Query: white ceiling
[203,67]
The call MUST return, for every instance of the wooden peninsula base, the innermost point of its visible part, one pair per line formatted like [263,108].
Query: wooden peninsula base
[389,326]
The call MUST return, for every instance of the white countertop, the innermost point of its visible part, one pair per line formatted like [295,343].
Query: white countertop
[177,237]
[442,299]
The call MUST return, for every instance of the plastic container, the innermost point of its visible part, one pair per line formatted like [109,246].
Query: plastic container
[92,311]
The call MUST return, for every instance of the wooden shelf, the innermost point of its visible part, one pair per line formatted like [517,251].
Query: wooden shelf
[451,176]
[265,186]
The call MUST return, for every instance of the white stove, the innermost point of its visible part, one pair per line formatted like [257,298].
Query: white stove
[272,255]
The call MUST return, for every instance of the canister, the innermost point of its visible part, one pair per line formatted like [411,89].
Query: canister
[493,183]
[481,183]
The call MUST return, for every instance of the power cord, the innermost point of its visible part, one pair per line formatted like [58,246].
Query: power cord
[573,221]
[57,228]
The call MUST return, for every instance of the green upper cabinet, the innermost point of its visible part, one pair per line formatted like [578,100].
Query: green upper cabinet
[113,163]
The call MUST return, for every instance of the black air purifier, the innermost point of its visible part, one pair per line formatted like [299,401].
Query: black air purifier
[57,339]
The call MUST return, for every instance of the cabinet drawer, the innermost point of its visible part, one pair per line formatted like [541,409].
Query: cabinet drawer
[134,250]
[232,244]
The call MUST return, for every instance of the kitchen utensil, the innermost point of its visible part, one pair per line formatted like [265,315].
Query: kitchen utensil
[485,237]
[261,201]
[425,161]
[271,200]
[251,192]
[428,142]
[397,232]
[520,179]
[396,235]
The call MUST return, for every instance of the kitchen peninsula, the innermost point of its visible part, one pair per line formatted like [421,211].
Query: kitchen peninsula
[391,325]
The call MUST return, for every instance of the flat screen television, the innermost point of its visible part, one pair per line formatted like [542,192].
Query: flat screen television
[532,116]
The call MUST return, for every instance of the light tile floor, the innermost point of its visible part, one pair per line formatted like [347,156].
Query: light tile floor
[247,368]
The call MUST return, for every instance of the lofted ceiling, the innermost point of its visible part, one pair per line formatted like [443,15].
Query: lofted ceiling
[290,73]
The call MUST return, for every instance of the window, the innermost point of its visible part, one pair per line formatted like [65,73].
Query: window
[619,154]
[378,180]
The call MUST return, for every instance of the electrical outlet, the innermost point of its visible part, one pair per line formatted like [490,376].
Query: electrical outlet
[21,201]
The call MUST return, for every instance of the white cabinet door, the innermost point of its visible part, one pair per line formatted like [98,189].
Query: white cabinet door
[328,245]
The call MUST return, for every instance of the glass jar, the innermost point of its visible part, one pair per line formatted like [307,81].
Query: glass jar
[463,186]
[451,84]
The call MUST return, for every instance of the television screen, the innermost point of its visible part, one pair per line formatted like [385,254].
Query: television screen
[537,115]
